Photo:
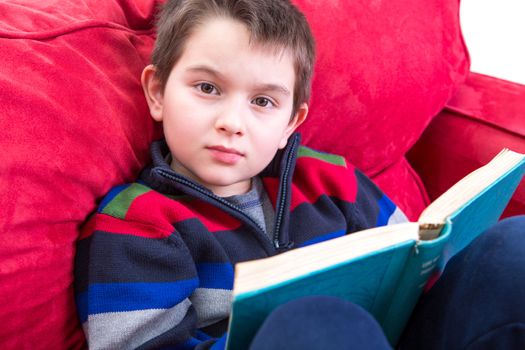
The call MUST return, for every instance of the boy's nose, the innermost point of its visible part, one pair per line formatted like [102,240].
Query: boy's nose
[230,119]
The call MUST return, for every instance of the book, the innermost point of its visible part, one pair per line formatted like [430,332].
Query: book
[383,269]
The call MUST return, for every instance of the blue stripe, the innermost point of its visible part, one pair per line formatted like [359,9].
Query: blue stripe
[119,297]
[109,197]
[189,344]
[215,275]
[323,238]
[386,209]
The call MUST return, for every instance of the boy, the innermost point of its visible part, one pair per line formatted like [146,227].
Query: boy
[230,82]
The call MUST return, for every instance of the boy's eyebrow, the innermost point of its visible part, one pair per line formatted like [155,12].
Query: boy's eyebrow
[264,87]
[273,87]
[205,69]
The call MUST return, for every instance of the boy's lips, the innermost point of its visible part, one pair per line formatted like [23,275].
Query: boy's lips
[225,155]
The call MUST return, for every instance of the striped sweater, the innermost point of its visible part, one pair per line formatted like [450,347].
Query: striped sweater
[154,265]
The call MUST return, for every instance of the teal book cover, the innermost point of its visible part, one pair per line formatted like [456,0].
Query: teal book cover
[481,212]
[368,281]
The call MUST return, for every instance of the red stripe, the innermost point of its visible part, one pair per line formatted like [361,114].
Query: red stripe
[106,223]
[156,208]
[313,178]
[213,218]
[152,215]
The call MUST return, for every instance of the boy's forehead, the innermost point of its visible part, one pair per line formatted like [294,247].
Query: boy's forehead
[222,46]
[227,30]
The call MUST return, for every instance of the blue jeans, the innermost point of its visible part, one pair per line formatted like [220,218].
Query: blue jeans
[478,303]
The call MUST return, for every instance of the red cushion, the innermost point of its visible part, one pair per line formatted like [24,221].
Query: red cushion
[455,143]
[384,69]
[74,123]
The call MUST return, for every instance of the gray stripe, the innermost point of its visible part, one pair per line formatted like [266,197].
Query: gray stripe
[397,217]
[130,329]
[211,305]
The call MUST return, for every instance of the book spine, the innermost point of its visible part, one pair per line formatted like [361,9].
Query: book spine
[422,262]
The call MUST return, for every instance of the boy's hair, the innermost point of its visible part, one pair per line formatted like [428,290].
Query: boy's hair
[274,23]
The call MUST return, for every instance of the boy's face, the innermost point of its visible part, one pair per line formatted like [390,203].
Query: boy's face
[226,106]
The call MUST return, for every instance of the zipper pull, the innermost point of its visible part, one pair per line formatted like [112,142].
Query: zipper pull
[283,247]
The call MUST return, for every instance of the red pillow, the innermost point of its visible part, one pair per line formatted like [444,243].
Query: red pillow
[384,70]
[74,123]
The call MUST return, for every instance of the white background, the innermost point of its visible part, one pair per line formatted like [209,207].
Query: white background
[494,31]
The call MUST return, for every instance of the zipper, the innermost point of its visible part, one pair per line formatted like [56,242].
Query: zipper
[212,196]
[283,189]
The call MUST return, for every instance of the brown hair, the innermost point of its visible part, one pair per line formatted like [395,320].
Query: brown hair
[275,23]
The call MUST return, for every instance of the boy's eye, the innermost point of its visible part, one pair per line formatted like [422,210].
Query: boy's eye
[262,101]
[207,88]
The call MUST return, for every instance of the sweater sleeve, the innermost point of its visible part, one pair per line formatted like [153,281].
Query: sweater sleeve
[375,207]
[133,285]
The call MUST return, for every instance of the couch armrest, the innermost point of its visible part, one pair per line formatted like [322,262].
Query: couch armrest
[484,115]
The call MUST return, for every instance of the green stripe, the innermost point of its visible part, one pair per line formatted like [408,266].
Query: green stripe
[179,198]
[119,206]
[329,158]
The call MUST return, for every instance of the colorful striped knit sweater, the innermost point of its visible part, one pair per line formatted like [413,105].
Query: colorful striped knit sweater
[154,266]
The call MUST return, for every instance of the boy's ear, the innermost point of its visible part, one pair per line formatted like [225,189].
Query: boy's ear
[152,91]
[298,118]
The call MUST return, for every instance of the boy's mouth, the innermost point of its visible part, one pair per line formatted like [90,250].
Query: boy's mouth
[225,150]
[225,155]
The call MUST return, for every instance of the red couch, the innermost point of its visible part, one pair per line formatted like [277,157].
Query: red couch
[74,123]
[484,115]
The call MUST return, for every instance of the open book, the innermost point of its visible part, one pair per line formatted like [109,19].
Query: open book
[383,269]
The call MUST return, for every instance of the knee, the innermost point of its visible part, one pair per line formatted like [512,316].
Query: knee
[512,225]
[317,322]
[326,309]
[497,257]
[504,239]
